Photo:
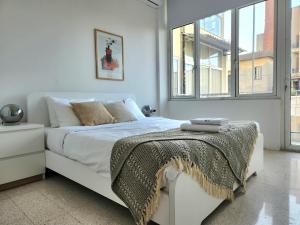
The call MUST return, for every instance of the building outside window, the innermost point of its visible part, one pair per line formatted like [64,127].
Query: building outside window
[212,24]
[183,55]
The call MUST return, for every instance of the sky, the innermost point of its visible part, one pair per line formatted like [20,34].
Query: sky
[295,3]
[246,28]
[246,25]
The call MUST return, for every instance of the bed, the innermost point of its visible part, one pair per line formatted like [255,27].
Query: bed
[179,193]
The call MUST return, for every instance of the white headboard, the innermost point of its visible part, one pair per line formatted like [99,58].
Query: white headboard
[37,109]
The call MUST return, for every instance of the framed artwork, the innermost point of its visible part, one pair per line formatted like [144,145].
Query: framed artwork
[109,56]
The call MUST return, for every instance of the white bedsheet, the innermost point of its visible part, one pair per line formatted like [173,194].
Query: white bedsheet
[92,146]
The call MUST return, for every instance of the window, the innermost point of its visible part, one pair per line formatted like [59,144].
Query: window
[230,61]
[183,76]
[215,55]
[258,73]
[256,44]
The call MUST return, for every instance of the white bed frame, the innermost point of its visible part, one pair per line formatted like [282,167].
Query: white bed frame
[184,203]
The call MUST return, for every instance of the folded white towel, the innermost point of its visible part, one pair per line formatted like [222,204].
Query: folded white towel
[204,128]
[210,121]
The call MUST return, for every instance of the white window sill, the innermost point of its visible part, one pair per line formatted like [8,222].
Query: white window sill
[226,98]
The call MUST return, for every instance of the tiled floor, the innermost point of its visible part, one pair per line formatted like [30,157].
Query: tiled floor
[272,198]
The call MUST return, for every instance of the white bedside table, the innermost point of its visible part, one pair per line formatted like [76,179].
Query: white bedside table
[22,154]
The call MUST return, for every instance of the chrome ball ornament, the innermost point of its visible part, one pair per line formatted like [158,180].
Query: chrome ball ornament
[11,114]
[148,111]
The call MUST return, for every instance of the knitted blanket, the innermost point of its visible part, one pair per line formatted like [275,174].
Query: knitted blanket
[215,160]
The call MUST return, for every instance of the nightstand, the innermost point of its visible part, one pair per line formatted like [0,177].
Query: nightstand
[22,154]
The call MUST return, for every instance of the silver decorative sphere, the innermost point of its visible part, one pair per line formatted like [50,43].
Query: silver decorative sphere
[148,111]
[11,114]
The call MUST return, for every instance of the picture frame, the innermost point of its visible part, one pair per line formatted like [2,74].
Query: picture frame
[109,54]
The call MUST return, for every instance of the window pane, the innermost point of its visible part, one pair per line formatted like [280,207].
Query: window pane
[256,53]
[183,76]
[215,55]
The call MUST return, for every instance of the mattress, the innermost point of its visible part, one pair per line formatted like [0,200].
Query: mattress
[92,146]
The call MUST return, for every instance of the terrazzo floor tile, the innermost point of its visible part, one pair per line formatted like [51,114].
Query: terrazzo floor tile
[9,212]
[22,221]
[3,195]
[70,200]
[63,220]
[271,197]
[37,207]
[102,212]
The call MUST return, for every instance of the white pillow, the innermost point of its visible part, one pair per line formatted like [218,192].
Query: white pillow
[51,111]
[133,108]
[61,113]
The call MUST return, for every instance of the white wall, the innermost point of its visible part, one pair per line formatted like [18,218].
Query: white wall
[162,56]
[266,112]
[48,45]
[182,12]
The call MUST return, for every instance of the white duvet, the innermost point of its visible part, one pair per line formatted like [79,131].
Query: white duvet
[92,146]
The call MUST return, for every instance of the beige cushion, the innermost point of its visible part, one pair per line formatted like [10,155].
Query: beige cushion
[120,112]
[92,113]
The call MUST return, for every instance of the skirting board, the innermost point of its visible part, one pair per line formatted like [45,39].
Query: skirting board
[21,182]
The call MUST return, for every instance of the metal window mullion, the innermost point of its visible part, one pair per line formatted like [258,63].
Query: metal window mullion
[182,41]
[170,72]
[253,49]
[235,53]
[287,80]
[197,59]
[275,50]
[209,78]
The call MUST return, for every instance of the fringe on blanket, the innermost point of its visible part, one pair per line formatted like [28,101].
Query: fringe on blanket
[193,170]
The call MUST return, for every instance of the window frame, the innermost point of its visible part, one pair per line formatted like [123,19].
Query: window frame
[235,95]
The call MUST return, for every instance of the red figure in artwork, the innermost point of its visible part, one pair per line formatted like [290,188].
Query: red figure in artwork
[108,55]
[108,62]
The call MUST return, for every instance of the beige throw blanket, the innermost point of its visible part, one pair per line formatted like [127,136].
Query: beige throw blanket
[216,161]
